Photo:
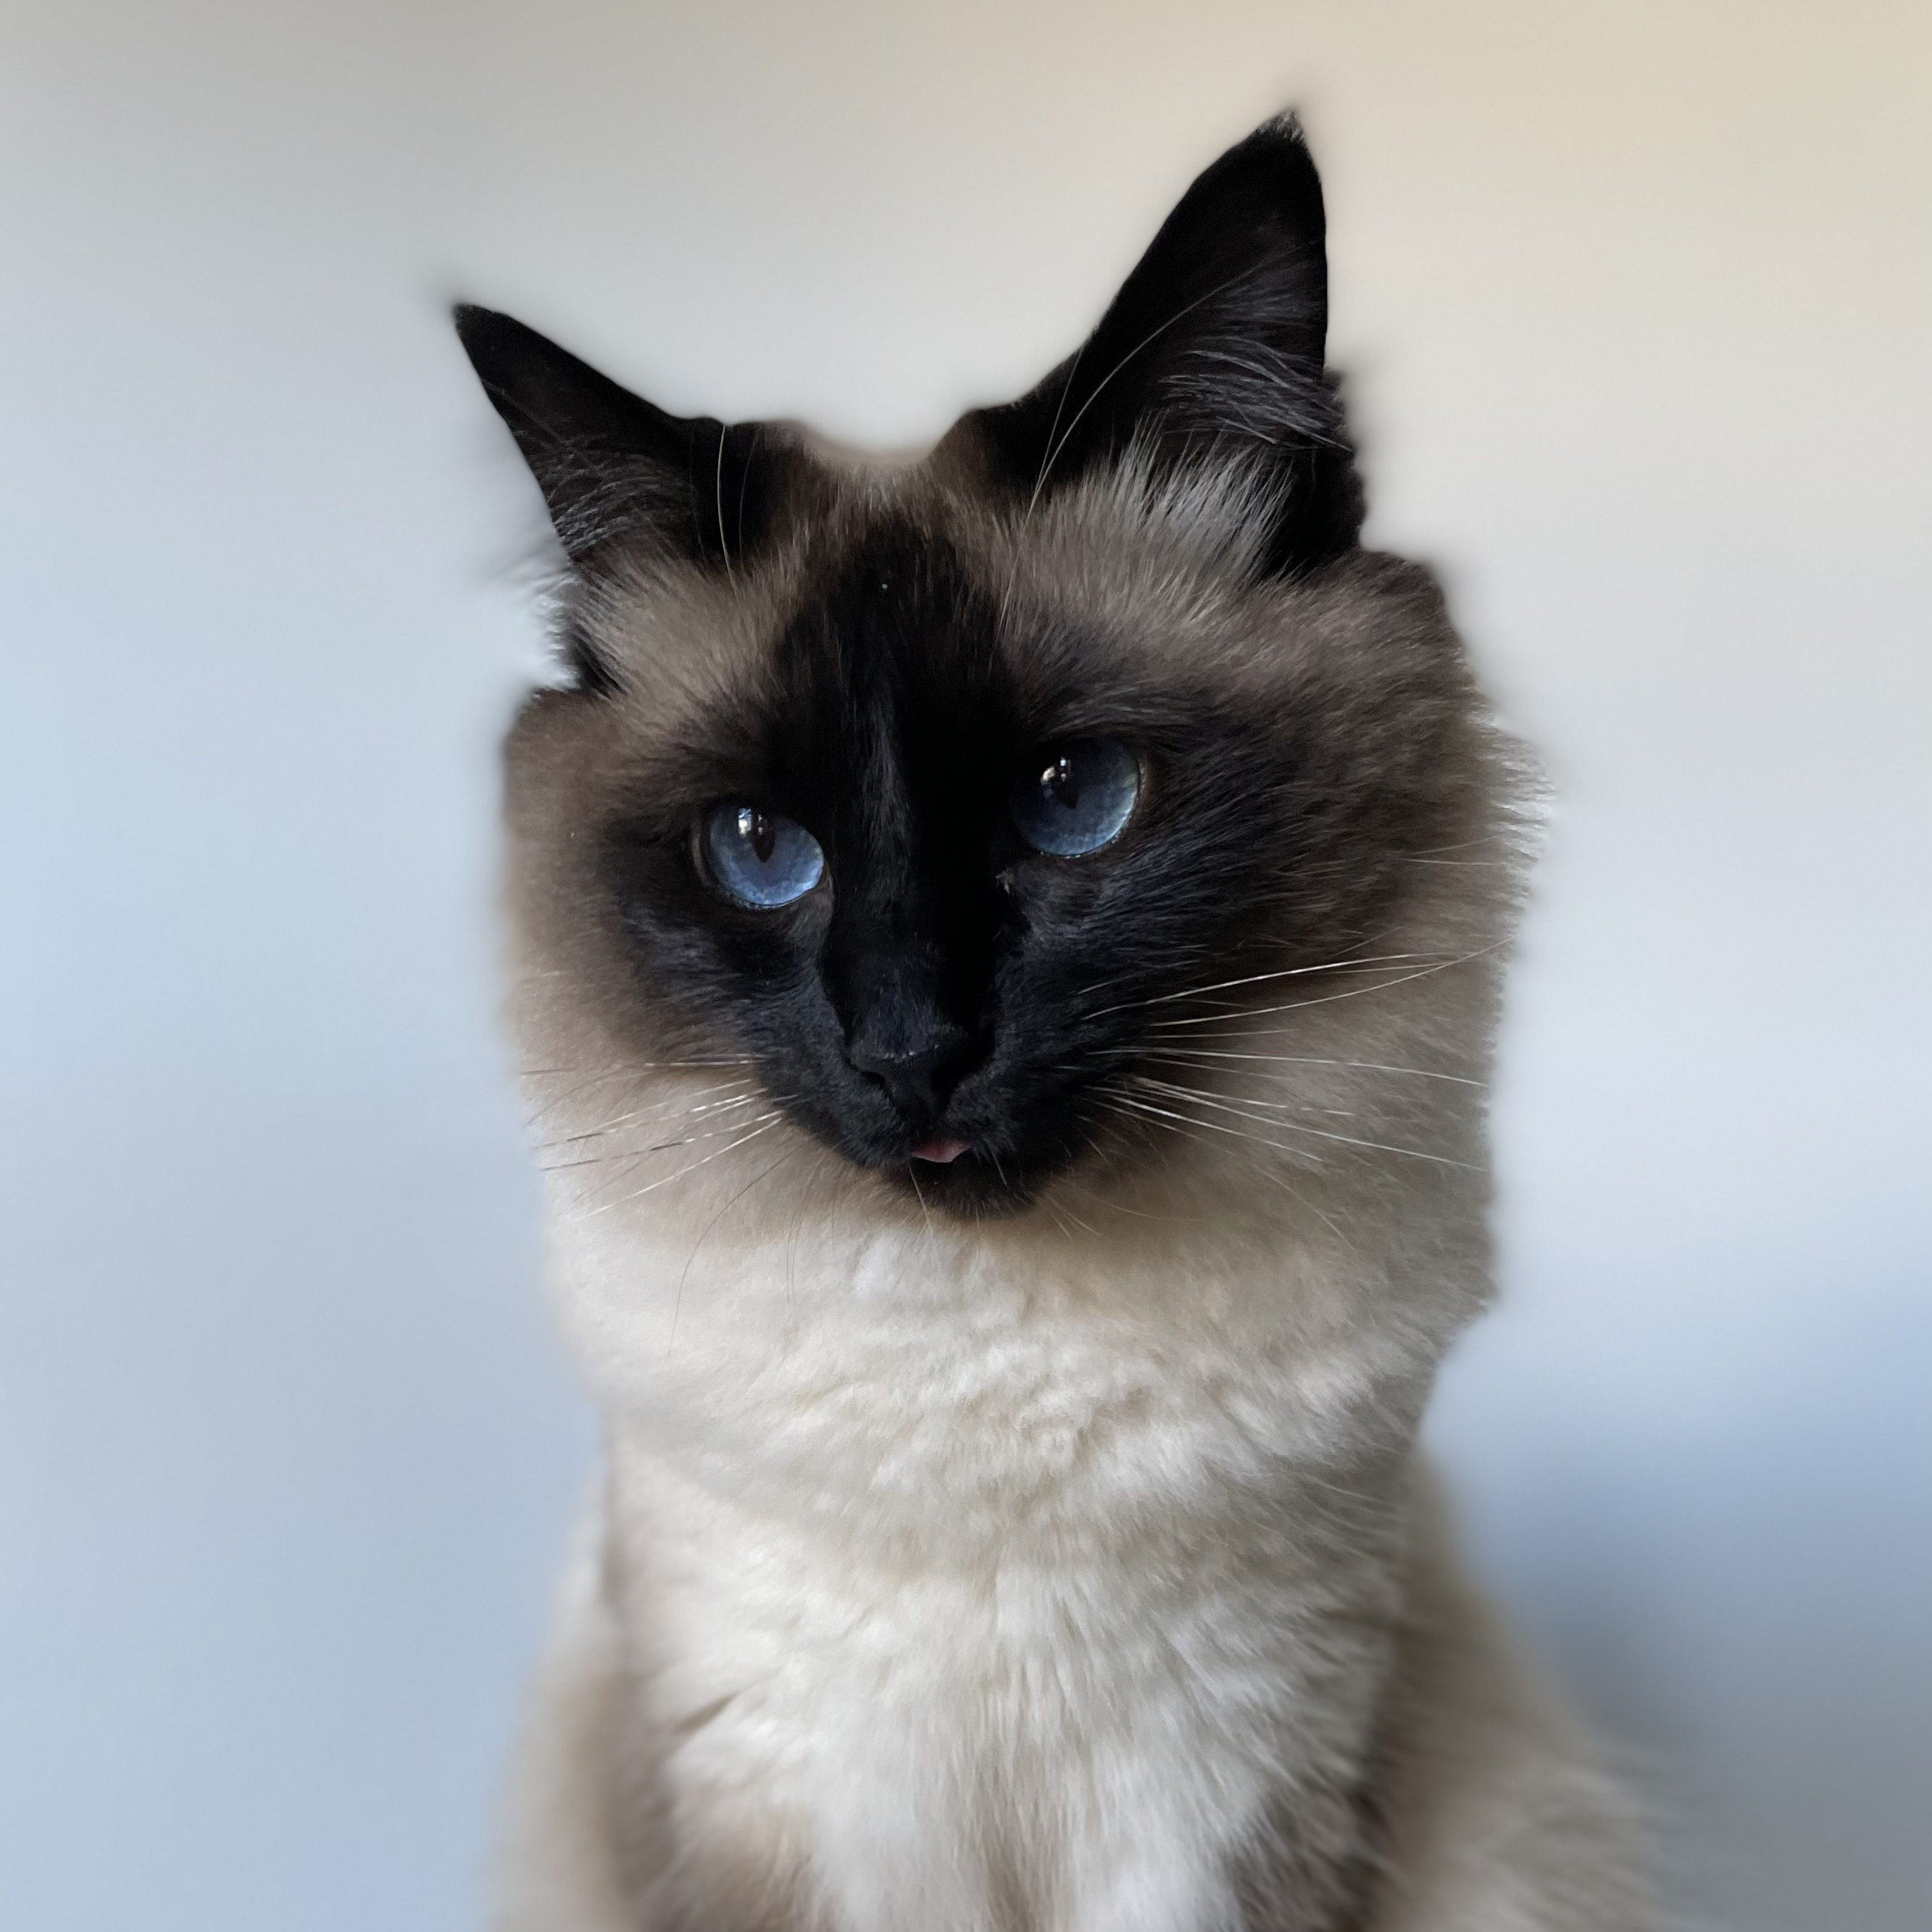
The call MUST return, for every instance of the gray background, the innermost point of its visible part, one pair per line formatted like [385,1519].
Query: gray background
[1635,303]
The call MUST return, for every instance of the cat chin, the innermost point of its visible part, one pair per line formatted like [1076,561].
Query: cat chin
[976,1188]
[969,1188]
[999,1174]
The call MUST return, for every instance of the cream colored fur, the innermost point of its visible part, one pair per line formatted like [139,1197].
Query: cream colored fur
[1040,1575]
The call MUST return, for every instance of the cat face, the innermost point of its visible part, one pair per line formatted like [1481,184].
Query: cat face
[948,804]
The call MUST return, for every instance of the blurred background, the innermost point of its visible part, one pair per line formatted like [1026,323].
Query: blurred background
[1636,303]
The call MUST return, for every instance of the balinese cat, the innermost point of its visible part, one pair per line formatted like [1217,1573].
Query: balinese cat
[1008,953]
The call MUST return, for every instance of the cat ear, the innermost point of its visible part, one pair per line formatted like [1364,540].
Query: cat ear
[1212,351]
[613,468]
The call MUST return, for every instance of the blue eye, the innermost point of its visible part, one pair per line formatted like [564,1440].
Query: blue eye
[1077,799]
[759,859]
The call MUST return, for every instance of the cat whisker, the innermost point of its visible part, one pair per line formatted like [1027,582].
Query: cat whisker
[1199,1098]
[1106,1200]
[642,1118]
[630,1067]
[1148,1116]
[569,1093]
[1191,1056]
[625,1074]
[1059,1220]
[744,477]
[1212,1126]
[660,1108]
[718,492]
[1180,315]
[1257,979]
[677,1303]
[692,1167]
[691,1140]
[912,1176]
[1347,993]
[817,1175]
[1459,845]
[1085,1227]
[1269,1173]
[618,1158]
[1046,459]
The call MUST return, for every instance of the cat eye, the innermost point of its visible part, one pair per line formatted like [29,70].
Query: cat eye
[1077,798]
[758,858]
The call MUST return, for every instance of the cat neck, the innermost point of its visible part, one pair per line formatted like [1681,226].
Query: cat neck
[1022,1384]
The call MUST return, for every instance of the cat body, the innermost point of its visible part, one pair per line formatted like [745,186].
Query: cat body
[1008,950]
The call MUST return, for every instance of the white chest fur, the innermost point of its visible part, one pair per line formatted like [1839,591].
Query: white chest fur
[996,1587]
[1080,1746]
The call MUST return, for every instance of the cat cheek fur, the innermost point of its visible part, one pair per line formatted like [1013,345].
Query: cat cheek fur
[1036,1541]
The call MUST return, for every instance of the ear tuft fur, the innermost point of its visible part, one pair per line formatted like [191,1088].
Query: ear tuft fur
[1213,353]
[615,470]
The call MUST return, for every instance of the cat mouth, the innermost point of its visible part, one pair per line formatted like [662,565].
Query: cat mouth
[947,1173]
[942,1149]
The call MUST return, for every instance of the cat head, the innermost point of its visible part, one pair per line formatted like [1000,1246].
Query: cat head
[992,820]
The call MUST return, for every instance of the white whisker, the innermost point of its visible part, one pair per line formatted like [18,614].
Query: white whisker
[677,1303]
[658,1108]
[1324,999]
[1292,1126]
[1191,1056]
[1256,979]
[770,1121]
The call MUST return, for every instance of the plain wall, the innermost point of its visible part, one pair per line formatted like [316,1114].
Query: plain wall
[1634,303]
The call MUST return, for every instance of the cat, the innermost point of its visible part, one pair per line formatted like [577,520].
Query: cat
[1007,949]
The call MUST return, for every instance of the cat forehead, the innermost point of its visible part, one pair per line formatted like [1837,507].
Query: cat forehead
[893,592]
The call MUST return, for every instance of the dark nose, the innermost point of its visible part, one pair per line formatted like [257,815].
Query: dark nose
[920,1075]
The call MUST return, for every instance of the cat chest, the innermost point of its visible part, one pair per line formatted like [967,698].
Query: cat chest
[1078,1749]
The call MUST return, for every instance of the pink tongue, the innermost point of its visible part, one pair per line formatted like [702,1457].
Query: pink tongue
[942,1148]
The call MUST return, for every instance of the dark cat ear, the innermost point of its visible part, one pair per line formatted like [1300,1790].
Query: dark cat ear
[1213,349]
[613,468]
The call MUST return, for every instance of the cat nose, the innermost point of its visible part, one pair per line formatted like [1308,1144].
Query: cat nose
[920,1075]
